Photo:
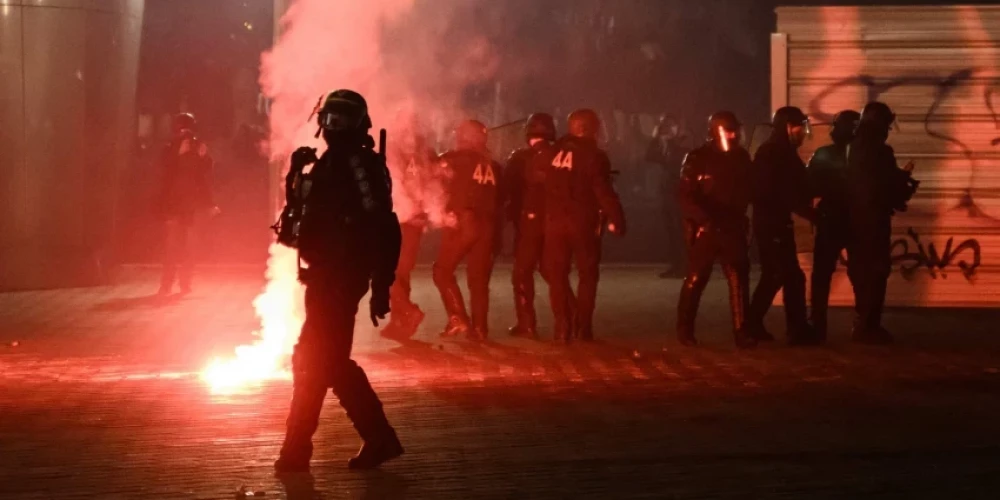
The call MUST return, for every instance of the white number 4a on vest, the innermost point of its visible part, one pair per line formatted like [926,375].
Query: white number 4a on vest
[563,160]
[484,175]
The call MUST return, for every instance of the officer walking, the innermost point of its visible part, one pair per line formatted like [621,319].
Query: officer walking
[524,176]
[580,199]
[782,188]
[185,190]
[472,190]
[349,239]
[416,167]
[876,188]
[714,193]
[827,175]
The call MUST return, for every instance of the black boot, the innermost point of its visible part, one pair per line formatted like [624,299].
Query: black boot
[759,333]
[523,332]
[562,331]
[686,338]
[585,333]
[803,336]
[872,336]
[477,334]
[456,326]
[687,308]
[375,452]
[303,418]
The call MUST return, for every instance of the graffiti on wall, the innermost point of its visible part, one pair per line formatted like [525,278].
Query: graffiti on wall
[944,88]
[937,263]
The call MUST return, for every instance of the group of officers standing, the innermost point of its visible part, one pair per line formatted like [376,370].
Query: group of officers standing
[559,197]
[557,193]
[849,191]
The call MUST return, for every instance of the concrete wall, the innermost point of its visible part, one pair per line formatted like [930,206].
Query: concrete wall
[939,68]
[67,98]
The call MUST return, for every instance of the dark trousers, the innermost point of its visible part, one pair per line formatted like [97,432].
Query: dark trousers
[568,241]
[528,245]
[729,248]
[869,269]
[780,270]
[470,240]
[399,294]
[674,227]
[831,240]
[178,264]
[322,360]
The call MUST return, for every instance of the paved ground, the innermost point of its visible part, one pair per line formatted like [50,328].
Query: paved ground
[99,399]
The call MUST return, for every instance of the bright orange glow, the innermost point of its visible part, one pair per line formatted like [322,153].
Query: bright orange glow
[279,308]
[725,138]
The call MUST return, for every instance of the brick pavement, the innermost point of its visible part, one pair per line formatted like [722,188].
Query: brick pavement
[100,400]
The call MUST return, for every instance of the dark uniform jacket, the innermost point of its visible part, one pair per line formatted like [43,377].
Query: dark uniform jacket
[781,185]
[716,188]
[827,177]
[186,183]
[877,187]
[348,225]
[472,182]
[524,180]
[578,184]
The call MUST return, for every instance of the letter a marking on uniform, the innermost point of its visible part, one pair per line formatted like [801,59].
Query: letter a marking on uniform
[563,160]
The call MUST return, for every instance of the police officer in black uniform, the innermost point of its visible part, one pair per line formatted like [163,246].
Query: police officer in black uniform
[876,189]
[185,190]
[827,175]
[782,189]
[579,201]
[524,177]
[472,180]
[714,193]
[415,164]
[348,241]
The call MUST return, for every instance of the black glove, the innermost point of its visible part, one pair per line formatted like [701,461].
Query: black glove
[302,157]
[379,305]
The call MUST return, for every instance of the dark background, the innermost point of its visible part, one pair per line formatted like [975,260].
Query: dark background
[631,60]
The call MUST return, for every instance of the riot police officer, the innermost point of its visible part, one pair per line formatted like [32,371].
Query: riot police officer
[349,242]
[524,177]
[876,189]
[782,188]
[714,193]
[472,190]
[185,190]
[415,166]
[827,175]
[579,201]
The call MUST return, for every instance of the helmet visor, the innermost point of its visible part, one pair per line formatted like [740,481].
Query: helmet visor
[338,115]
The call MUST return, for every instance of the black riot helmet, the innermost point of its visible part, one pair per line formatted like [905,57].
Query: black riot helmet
[724,129]
[789,116]
[184,121]
[342,111]
[584,123]
[844,125]
[540,126]
[878,113]
[471,135]
[876,120]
